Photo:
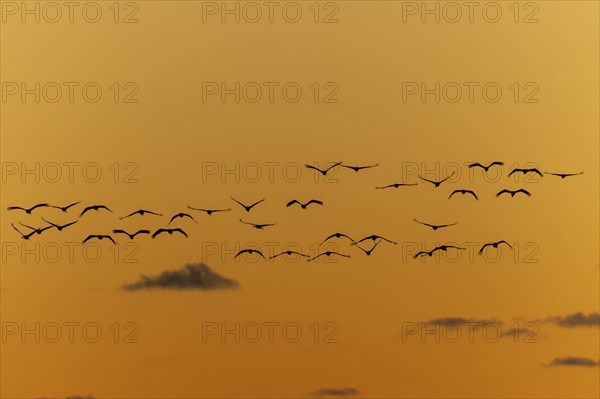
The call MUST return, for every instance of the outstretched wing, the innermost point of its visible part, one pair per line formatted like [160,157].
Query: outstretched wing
[157,232]
[314,167]
[38,206]
[256,203]
[446,178]
[473,165]
[314,201]
[430,181]
[292,202]
[333,166]
[181,231]
[89,238]
[473,194]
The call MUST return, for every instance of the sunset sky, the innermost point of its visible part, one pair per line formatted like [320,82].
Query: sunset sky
[196,107]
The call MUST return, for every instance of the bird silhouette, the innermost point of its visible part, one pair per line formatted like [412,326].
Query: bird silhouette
[131,236]
[525,171]
[65,208]
[337,235]
[170,231]
[59,227]
[27,210]
[435,226]
[463,192]
[396,185]
[513,193]
[328,253]
[374,237]
[28,235]
[436,183]
[38,230]
[288,253]
[258,226]
[303,206]
[182,215]
[249,251]
[493,244]
[357,168]
[563,175]
[99,237]
[368,252]
[209,212]
[93,208]
[486,168]
[323,171]
[141,212]
[248,207]
[439,248]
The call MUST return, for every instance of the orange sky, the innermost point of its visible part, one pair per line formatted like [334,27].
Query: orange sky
[161,141]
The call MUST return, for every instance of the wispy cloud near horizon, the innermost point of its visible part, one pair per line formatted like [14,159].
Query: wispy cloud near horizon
[196,276]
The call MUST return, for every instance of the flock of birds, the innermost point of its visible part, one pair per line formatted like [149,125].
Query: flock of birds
[375,239]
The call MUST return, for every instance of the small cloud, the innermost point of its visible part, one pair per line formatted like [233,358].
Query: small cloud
[578,319]
[445,321]
[74,397]
[342,392]
[198,276]
[573,361]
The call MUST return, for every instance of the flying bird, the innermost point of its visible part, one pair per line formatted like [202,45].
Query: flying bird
[58,226]
[27,210]
[374,237]
[563,175]
[182,215]
[493,244]
[303,206]
[65,208]
[368,252]
[513,193]
[328,253]
[131,236]
[248,207]
[463,192]
[396,185]
[39,230]
[93,208]
[525,171]
[436,183]
[288,253]
[486,168]
[28,235]
[249,251]
[357,168]
[337,235]
[323,171]
[170,231]
[141,212]
[435,226]
[440,248]
[99,237]
[209,211]
[258,226]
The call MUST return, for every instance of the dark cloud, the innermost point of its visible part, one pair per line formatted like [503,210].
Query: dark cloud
[75,397]
[343,392]
[444,321]
[573,361]
[196,276]
[578,319]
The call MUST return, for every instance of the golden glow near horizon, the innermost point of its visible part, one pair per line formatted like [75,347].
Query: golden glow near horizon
[163,106]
